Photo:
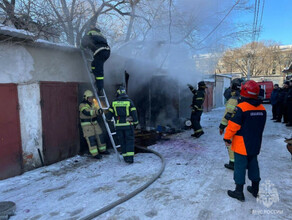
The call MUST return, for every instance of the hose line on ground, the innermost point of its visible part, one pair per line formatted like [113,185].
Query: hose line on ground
[132,194]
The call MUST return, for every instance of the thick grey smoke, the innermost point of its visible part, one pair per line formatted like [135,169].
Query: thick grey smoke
[171,47]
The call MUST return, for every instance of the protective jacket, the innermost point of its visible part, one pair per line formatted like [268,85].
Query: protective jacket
[94,40]
[246,127]
[229,111]
[88,113]
[198,99]
[124,112]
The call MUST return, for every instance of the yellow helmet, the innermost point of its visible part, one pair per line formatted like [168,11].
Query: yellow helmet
[87,94]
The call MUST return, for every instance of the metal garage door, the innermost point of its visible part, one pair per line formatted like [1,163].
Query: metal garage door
[59,103]
[10,141]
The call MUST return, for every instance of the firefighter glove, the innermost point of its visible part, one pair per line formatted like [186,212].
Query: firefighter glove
[190,86]
[221,131]
[222,127]
[227,142]
[99,111]
[129,119]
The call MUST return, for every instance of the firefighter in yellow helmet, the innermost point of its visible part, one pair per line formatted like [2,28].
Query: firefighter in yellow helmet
[91,130]
[228,114]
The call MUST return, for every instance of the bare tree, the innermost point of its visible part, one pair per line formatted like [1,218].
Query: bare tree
[265,58]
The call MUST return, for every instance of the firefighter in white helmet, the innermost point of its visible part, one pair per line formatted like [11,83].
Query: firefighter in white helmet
[91,130]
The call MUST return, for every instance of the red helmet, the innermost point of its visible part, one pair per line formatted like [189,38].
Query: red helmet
[250,89]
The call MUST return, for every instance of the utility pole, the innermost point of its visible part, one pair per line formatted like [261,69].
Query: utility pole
[248,66]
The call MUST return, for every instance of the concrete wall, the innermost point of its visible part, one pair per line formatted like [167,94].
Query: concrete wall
[30,124]
[28,63]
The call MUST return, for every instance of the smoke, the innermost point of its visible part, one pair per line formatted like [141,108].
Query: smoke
[172,45]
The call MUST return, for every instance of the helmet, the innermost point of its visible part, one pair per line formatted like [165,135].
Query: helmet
[202,84]
[121,90]
[236,83]
[250,89]
[87,94]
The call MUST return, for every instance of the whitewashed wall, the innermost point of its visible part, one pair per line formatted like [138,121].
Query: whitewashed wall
[16,64]
[26,65]
[30,124]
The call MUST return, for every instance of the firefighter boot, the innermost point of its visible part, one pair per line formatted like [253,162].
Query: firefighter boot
[198,134]
[129,159]
[106,152]
[229,165]
[98,156]
[254,188]
[237,193]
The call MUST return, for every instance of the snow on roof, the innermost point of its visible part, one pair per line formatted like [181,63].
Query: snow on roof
[12,32]
[16,34]
[62,46]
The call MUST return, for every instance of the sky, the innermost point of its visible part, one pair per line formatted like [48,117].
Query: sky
[193,185]
[276,22]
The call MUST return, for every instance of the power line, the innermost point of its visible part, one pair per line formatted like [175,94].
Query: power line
[219,23]
[263,6]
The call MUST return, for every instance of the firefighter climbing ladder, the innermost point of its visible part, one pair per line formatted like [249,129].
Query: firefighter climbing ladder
[110,133]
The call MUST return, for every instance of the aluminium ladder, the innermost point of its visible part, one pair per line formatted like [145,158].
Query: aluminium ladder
[110,133]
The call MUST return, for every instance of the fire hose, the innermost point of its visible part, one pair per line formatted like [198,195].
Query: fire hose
[132,194]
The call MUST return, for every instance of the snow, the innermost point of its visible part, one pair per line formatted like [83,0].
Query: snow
[193,185]
[41,41]
[14,30]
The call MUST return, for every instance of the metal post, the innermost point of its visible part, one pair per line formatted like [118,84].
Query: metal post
[248,66]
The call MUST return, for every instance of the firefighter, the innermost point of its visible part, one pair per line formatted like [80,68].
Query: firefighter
[97,43]
[126,120]
[197,108]
[227,93]
[91,130]
[229,113]
[244,133]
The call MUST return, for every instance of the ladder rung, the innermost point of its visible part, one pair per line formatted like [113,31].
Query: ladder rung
[114,133]
[118,146]
[104,108]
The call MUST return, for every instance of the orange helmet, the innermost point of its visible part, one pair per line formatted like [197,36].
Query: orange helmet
[250,89]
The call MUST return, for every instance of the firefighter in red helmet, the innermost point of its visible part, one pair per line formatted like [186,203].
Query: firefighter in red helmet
[244,133]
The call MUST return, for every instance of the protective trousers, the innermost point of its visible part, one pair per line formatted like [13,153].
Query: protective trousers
[231,154]
[95,139]
[126,140]
[241,163]
[97,67]
[195,119]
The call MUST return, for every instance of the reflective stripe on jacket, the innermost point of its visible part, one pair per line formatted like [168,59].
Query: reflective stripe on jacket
[87,113]
[229,110]
[198,100]
[124,112]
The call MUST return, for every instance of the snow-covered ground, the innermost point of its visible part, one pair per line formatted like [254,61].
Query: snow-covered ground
[193,185]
